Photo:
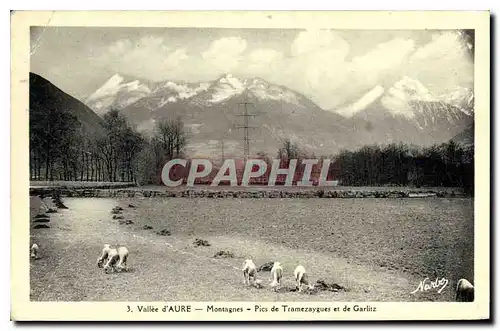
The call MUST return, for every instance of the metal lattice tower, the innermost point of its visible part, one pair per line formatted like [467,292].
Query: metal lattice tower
[222,151]
[245,127]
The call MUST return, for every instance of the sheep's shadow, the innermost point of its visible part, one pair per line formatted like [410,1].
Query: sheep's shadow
[116,272]
[319,286]
[288,289]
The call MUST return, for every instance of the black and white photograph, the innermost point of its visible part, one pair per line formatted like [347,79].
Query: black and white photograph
[252,164]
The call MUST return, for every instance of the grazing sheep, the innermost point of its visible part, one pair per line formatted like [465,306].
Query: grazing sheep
[464,291]
[300,276]
[34,251]
[276,274]
[113,257]
[104,255]
[117,259]
[123,255]
[249,270]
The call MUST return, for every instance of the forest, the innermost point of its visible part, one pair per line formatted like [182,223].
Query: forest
[60,149]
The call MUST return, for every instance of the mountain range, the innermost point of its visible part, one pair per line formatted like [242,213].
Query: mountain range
[211,112]
[406,112]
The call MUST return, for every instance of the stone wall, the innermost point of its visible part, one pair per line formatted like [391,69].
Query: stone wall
[106,193]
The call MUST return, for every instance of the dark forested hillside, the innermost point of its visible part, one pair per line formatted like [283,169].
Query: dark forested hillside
[46,97]
[60,127]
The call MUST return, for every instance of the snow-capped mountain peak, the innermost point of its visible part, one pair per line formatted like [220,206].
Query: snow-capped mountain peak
[462,98]
[229,85]
[226,87]
[403,94]
[408,98]
[116,92]
[395,99]
[413,88]
[172,91]
[119,93]
[265,91]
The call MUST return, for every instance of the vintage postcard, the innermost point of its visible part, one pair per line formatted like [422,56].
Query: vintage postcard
[250,166]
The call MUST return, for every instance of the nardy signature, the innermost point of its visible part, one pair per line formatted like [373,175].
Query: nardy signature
[427,284]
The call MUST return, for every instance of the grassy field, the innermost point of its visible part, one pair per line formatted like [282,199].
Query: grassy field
[379,249]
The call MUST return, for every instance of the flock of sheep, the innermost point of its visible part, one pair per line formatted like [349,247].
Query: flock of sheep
[112,259]
[115,259]
[250,272]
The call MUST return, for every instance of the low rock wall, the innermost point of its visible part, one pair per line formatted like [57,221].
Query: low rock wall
[328,194]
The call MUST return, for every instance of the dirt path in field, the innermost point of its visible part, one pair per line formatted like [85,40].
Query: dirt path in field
[170,268]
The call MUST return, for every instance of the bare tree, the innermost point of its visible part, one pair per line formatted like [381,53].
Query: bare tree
[172,137]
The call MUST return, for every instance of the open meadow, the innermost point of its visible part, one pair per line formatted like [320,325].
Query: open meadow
[378,249]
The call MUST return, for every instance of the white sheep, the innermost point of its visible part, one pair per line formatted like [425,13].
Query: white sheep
[123,256]
[249,270]
[276,274]
[300,276]
[117,259]
[34,251]
[464,291]
[112,260]
[104,255]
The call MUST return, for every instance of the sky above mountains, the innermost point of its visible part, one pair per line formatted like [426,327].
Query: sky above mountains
[331,67]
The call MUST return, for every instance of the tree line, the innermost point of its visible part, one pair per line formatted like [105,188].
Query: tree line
[444,165]
[441,165]
[61,150]
[397,164]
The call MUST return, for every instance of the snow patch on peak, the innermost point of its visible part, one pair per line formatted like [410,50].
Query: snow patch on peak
[413,88]
[118,93]
[362,103]
[226,87]
[264,91]
[462,98]
[136,86]
[111,85]
[232,81]
[403,93]
[185,91]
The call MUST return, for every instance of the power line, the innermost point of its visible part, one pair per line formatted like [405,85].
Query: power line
[245,126]
[222,151]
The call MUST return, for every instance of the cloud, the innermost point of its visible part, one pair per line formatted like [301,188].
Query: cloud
[443,45]
[443,63]
[176,58]
[384,56]
[321,69]
[149,57]
[262,62]
[224,54]
[311,42]
[264,57]
[314,65]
